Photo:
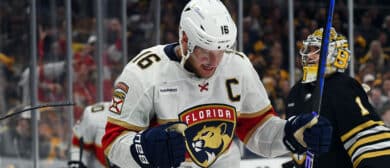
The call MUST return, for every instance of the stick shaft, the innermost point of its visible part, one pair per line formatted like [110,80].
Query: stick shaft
[322,63]
[317,96]
[37,107]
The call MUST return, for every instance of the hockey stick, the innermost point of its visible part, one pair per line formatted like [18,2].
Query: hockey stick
[81,152]
[78,163]
[37,107]
[317,96]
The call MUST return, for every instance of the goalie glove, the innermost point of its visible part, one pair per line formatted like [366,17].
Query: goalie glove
[161,146]
[308,132]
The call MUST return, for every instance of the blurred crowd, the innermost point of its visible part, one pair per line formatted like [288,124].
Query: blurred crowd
[265,41]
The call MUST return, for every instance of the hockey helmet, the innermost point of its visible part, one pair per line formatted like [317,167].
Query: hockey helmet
[337,59]
[208,25]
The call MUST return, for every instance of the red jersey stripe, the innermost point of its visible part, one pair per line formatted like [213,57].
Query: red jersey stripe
[247,125]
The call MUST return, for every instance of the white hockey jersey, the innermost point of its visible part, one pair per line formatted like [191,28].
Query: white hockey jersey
[91,129]
[155,89]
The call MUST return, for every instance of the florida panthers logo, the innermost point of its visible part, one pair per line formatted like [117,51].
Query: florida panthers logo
[211,140]
[210,131]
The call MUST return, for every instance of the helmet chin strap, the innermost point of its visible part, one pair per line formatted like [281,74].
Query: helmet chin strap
[185,56]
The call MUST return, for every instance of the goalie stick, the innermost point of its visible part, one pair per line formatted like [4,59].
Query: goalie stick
[36,107]
[317,96]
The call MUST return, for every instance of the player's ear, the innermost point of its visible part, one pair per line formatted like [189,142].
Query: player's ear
[184,41]
[184,38]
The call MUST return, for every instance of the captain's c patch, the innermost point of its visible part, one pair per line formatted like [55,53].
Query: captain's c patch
[210,131]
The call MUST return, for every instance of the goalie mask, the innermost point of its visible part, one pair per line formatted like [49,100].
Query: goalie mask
[208,25]
[336,61]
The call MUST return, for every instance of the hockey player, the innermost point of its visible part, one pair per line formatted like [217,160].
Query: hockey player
[359,136]
[215,91]
[87,136]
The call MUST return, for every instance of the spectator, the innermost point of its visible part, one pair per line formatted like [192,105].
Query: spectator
[377,99]
[16,141]
[275,62]
[384,40]
[6,64]
[375,54]
[255,18]
[48,88]
[384,112]
[366,29]
[113,33]
[52,134]
[112,66]
[365,69]
[369,80]
[386,87]
[386,29]
[84,87]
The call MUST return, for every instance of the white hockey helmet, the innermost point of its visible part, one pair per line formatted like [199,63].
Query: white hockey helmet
[207,24]
[337,59]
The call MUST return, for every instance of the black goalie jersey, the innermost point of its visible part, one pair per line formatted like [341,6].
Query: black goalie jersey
[360,138]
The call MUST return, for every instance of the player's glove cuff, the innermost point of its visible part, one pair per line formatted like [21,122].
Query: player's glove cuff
[162,146]
[293,145]
[294,129]
[138,152]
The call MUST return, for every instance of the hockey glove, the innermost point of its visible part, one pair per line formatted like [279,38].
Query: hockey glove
[161,146]
[319,137]
[307,132]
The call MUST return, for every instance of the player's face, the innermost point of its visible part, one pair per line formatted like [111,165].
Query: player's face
[313,55]
[204,62]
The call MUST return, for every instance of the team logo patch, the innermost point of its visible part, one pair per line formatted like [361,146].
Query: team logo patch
[210,131]
[117,101]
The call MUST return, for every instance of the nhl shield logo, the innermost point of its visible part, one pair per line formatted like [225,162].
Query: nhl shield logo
[210,131]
